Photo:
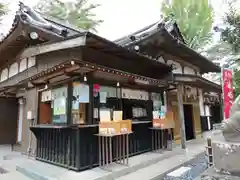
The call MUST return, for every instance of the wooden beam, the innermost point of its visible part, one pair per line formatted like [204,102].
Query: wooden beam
[65,44]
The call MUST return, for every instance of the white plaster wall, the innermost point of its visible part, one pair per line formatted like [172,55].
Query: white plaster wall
[188,70]
[176,67]
[161,60]
[201,105]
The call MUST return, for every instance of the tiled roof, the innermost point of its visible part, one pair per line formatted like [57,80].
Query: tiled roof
[169,26]
[28,16]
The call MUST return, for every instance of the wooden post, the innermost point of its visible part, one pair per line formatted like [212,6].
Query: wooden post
[181,115]
[69,102]
[89,118]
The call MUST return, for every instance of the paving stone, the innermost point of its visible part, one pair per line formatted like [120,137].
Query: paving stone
[182,173]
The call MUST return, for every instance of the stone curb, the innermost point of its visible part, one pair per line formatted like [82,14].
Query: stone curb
[31,174]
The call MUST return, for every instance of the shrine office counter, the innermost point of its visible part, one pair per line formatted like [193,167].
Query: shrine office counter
[76,147]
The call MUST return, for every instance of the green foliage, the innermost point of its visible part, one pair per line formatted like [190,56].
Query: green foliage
[231,34]
[78,13]
[194,18]
[3,9]
[236,82]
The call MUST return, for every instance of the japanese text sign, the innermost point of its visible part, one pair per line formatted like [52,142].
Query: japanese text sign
[228,96]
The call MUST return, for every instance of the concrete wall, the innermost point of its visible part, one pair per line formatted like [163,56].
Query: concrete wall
[30,105]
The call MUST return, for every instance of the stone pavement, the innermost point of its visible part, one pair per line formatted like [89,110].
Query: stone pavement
[8,161]
[143,167]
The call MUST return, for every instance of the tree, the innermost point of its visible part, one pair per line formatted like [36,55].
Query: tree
[78,13]
[231,34]
[3,9]
[194,19]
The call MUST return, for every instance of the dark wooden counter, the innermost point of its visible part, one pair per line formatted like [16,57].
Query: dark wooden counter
[76,147]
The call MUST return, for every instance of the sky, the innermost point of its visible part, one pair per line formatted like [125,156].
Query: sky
[121,17]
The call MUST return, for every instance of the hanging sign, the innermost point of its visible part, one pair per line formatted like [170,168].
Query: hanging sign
[81,92]
[103,97]
[117,115]
[105,115]
[228,96]
[59,106]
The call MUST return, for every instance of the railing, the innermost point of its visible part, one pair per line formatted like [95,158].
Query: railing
[76,148]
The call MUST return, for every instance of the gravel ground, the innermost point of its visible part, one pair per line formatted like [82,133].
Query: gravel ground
[198,165]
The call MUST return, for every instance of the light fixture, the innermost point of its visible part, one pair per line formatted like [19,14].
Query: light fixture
[72,62]
[85,78]
[46,87]
[34,35]
[136,48]
[118,84]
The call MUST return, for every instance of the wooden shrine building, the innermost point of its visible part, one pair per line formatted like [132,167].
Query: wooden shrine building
[28,29]
[163,42]
[55,81]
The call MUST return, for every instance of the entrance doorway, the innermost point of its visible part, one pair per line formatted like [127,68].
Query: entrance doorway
[8,120]
[216,114]
[188,117]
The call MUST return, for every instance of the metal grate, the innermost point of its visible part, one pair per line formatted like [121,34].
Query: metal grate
[3,171]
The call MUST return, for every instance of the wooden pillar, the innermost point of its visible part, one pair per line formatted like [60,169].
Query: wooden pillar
[90,119]
[181,115]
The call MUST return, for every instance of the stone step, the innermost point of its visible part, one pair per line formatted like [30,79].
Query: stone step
[180,173]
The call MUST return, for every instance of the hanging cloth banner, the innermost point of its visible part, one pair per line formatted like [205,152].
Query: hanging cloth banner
[228,93]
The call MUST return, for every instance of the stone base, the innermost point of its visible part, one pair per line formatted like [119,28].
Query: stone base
[226,157]
[182,173]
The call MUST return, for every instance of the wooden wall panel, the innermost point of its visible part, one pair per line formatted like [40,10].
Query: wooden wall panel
[197,121]
[45,113]
[177,122]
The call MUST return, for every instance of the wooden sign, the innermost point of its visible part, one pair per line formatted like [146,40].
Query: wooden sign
[109,127]
[165,123]
[126,126]
[115,127]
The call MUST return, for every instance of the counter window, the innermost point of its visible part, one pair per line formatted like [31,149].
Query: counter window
[105,98]
[80,102]
[157,101]
[135,104]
